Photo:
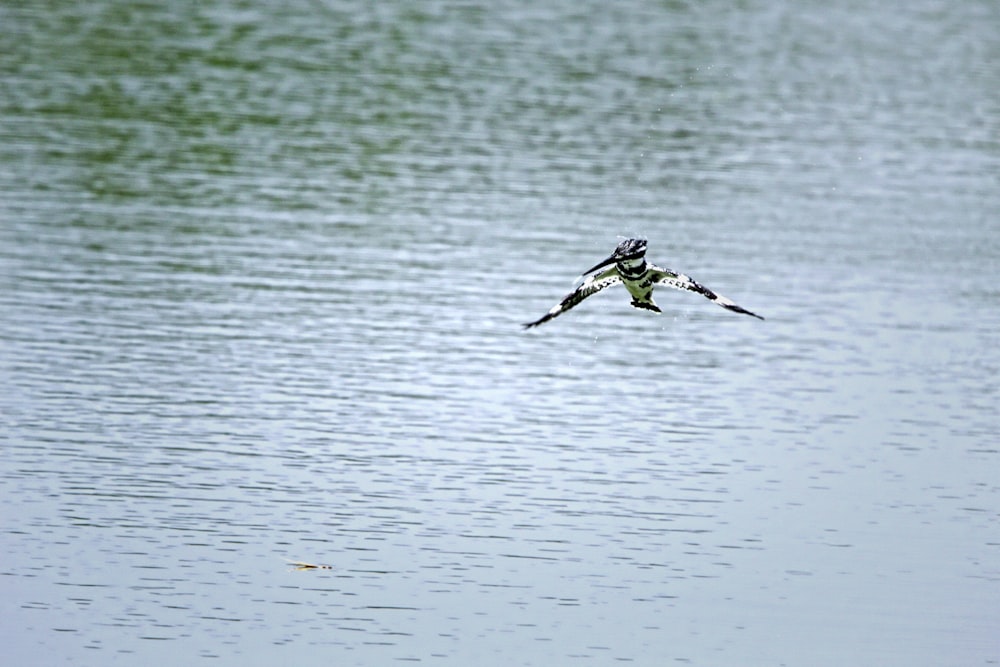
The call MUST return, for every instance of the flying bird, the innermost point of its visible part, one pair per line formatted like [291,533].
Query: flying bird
[639,277]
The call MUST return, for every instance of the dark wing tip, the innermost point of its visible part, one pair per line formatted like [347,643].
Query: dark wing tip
[740,309]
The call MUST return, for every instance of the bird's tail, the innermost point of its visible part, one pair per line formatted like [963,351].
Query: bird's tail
[645,305]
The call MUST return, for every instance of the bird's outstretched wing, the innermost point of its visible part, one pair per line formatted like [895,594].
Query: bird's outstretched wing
[661,276]
[592,285]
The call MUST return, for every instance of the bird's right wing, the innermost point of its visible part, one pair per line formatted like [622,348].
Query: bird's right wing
[661,276]
[592,285]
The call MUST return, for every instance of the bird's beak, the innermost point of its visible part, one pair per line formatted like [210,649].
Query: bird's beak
[600,265]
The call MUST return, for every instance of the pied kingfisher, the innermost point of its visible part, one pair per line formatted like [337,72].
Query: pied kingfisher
[630,268]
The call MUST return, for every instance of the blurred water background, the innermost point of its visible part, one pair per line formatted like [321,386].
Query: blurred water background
[262,274]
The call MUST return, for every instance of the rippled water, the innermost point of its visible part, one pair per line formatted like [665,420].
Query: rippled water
[262,278]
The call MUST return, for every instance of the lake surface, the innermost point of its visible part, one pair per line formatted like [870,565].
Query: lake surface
[262,275]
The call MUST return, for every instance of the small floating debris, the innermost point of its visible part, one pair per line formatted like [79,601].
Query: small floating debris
[299,565]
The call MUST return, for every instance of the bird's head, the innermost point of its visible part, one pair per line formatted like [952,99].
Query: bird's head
[628,249]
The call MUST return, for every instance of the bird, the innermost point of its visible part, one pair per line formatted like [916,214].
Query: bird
[629,267]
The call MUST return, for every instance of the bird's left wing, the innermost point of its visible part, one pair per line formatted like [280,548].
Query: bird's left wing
[661,276]
[592,285]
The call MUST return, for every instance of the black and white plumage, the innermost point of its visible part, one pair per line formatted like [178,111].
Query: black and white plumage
[639,277]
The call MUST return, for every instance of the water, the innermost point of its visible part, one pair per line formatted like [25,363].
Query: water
[262,278]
